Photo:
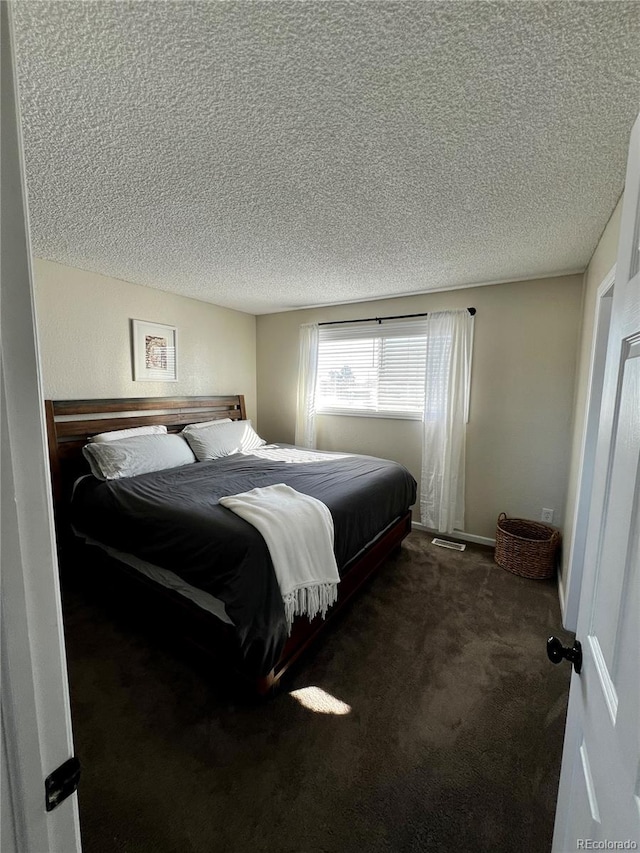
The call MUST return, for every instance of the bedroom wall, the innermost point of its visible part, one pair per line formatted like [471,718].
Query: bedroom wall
[85,341]
[603,258]
[518,438]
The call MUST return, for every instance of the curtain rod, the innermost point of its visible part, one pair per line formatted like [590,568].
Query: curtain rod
[471,311]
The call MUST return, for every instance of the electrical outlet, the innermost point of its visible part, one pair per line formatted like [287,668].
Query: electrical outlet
[547,516]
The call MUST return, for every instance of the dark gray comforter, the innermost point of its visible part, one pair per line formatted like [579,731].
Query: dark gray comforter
[172,519]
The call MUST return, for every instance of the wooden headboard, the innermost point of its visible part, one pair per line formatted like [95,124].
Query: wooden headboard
[71,423]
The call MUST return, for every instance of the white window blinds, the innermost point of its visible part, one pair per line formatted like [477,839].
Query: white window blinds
[373,368]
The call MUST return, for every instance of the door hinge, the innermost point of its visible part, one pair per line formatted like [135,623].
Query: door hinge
[61,783]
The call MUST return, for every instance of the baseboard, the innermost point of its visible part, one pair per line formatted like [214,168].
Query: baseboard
[457,534]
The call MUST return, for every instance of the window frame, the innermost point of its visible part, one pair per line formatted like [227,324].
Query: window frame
[408,328]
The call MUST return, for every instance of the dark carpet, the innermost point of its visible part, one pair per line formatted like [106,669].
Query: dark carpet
[453,741]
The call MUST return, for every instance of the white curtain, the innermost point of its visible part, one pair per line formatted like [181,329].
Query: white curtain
[307,370]
[447,384]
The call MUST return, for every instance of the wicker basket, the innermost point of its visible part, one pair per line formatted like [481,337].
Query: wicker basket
[526,548]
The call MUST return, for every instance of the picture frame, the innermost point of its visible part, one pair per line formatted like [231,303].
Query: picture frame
[155,352]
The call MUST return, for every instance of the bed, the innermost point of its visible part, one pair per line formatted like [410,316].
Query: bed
[199,567]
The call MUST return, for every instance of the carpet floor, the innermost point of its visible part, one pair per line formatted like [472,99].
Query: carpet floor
[438,725]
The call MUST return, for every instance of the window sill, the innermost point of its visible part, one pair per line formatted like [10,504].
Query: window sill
[363,413]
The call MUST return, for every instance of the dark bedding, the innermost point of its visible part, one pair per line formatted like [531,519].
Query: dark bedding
[172,519]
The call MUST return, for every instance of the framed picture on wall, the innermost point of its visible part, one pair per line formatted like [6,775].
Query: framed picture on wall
[155,352]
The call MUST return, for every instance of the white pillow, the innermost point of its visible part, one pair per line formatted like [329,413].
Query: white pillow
[223,440]
[117,434]
[128,457]
[206,424]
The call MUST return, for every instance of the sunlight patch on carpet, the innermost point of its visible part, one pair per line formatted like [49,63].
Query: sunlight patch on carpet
[318,700]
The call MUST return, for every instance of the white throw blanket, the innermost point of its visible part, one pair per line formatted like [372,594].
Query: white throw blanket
[298,530]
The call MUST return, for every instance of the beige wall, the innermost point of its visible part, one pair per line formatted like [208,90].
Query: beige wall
[85,339]
[518,437]
[601,262]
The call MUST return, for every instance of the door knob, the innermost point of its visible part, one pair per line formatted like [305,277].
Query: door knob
[556,652]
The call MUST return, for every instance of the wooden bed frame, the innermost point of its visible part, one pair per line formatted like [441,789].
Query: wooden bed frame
[71,423]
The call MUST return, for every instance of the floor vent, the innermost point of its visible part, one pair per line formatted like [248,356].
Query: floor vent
[455,546]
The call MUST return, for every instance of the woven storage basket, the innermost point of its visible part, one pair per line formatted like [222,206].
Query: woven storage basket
[526,548]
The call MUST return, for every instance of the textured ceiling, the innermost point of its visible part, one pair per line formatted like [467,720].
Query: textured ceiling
[267,156]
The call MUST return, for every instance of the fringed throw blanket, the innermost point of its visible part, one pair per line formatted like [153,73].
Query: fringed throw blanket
[298,530]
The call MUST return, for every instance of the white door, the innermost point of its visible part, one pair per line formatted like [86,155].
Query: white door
[35,736]
[599,796]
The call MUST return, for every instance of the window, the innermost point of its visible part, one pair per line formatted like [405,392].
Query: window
[377,369]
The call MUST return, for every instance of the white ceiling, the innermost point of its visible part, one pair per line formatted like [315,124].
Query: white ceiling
[268,156]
